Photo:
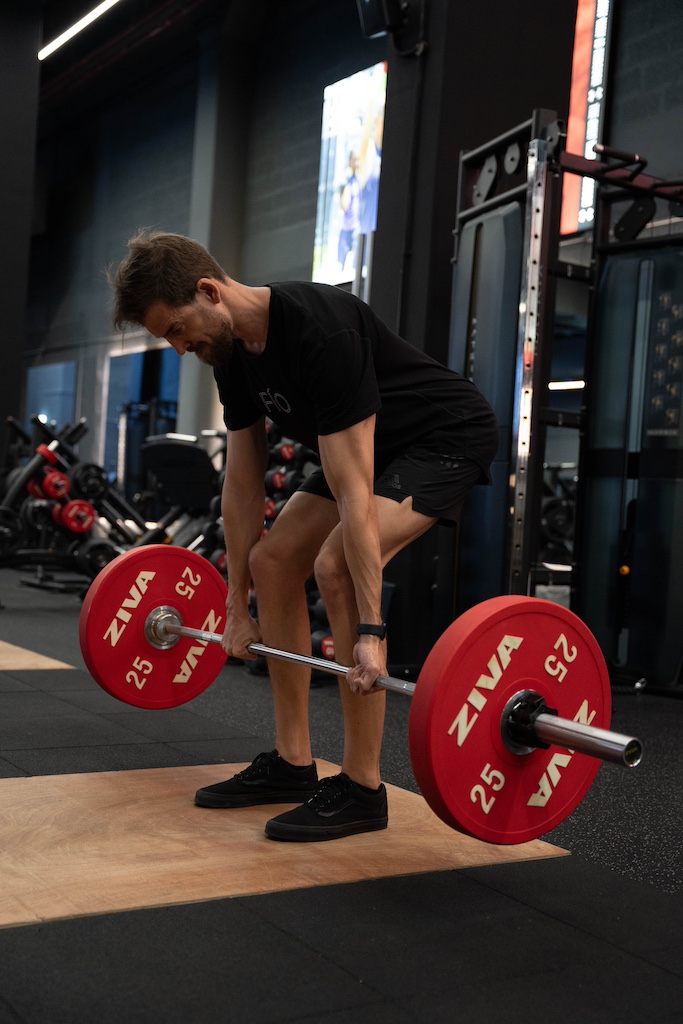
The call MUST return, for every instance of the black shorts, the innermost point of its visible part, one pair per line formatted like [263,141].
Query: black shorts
[438,484]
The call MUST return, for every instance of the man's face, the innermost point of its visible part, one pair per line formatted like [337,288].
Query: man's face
[198,327]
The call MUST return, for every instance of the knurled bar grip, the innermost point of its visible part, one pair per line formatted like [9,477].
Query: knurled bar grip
[576,736]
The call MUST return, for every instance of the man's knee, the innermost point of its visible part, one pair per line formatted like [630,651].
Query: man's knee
[264,562]
[273,562]
[331,575]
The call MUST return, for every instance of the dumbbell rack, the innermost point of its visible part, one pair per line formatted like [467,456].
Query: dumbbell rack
[49,508]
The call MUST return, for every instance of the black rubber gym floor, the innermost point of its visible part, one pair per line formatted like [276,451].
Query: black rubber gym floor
[591,937]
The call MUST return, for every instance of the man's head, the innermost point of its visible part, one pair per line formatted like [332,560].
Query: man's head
[171,285]
[160,267]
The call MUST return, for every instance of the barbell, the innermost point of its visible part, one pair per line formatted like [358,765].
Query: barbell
[509,718]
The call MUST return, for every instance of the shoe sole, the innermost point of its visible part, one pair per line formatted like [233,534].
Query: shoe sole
[253,799]
[321,833]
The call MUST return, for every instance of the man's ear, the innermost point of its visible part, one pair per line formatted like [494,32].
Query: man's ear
[208,287]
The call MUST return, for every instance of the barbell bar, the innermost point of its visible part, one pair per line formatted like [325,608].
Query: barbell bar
[509,719]
[524,724]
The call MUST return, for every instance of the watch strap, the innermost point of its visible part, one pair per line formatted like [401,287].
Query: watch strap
[372,629]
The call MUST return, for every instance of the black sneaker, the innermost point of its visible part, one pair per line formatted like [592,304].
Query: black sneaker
[339,807]
[269,779]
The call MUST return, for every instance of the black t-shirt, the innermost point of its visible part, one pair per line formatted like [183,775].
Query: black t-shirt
[329,363]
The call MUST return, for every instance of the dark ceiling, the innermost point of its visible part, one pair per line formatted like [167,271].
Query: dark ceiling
[126,44]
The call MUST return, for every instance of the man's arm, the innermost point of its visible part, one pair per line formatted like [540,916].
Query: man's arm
[242,510]
[348,462]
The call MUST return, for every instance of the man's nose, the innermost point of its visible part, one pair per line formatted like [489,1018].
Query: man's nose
[179,346]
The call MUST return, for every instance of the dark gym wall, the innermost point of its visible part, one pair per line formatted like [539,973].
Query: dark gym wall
[131,168]
[305,46]
[222,141]
[19,40]
[487,66]
[645,90]
[102,174]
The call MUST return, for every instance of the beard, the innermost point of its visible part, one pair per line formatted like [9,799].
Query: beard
[219,349]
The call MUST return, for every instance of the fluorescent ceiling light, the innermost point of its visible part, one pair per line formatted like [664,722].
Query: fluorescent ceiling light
[566,385]
[75,29]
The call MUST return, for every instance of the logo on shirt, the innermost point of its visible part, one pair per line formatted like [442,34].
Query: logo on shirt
[274,401]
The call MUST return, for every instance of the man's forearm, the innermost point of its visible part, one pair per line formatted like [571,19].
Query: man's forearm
[242,526]
[242,503]
[363,556]
[348,459]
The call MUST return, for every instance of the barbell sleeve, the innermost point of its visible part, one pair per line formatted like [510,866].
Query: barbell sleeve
[587,739]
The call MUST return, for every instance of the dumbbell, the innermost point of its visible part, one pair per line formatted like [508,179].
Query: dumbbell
[284,451]
[89,481]
[52,483]
[76,515]
[322,644]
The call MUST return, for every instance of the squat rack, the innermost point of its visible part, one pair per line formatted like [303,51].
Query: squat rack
[525,167]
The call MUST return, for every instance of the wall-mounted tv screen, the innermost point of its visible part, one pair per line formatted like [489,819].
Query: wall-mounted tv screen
[348,186]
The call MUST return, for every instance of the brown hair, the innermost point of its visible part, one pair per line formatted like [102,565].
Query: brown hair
[160,267]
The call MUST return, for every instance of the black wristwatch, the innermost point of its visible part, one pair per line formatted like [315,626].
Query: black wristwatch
[369,629]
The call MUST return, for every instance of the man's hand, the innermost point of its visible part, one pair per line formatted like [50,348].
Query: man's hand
[240,631]
[370,661]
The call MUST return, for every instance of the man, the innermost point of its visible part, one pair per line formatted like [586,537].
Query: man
[401,440]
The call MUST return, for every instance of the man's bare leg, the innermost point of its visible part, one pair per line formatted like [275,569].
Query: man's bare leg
[399,525]
[280,564]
